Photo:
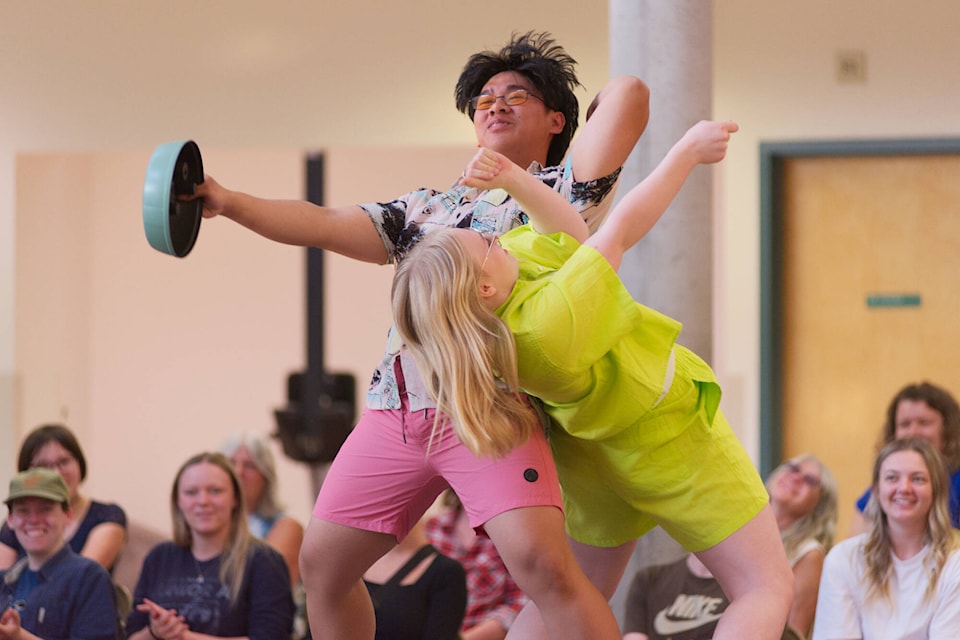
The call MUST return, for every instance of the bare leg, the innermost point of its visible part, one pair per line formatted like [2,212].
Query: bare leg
[752,568]
[603,566]
[534,547]
[333,559]
[528,624]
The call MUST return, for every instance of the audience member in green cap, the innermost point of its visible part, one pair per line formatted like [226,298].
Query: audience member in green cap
[51,592]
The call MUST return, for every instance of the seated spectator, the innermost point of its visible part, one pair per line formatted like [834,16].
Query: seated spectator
[679,600]
[51,593]
[214,578]
[900,579]
[803,495]
[417,593]
[493,598]
[253,462]
[97,530]
[255,467]
[922,411]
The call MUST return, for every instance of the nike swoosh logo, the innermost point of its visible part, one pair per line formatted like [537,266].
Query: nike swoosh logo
[665,626]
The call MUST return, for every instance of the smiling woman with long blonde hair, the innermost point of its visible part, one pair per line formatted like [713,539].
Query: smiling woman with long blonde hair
[214,580]
[900,579]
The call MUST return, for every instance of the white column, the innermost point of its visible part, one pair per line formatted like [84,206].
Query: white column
[668,44]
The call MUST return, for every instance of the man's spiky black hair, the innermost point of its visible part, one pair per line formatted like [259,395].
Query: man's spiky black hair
[545,64]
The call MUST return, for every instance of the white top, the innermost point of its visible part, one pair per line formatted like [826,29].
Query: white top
[805,547]
[842,612]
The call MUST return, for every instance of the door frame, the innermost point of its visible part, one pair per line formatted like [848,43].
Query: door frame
[773,156]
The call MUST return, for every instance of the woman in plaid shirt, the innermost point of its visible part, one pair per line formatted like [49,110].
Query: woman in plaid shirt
[493,598]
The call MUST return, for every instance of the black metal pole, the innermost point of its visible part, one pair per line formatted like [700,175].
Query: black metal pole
[313,379]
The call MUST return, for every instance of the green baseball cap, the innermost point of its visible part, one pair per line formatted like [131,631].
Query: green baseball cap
[38,483]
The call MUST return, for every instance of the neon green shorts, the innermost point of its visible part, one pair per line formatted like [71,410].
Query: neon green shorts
[674,468]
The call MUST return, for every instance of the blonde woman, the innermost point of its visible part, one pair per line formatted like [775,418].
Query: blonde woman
[803,495]
[214,580]
[641,439]
[928,411]
[900,579]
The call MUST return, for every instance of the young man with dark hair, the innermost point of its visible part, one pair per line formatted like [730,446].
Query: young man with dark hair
[546,65]
[51,593]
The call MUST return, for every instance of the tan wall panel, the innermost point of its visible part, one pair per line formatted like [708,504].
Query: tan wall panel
[151,358]
[855,227]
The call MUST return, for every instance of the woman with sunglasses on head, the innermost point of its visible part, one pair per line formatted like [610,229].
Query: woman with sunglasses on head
[98,530]
[901,579]
[803,496]
[641,439]
[213,580]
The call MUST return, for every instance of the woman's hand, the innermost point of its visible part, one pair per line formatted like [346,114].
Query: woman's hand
[708,140]
[484,170]
[10,624]
[164,623]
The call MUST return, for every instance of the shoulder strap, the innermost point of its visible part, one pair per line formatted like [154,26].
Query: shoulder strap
[388,586]
[13,573]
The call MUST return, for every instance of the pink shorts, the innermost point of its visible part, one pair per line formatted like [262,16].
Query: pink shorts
[383,480]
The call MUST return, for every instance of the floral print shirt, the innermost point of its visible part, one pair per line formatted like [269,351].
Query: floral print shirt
[402,222]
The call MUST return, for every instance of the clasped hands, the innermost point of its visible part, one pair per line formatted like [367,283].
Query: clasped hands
[10,628]
[164,624]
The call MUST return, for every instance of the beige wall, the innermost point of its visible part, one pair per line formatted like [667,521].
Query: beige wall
[148,357]
[88,76]
[151,358]
[774,72]
[122,77]
[92,76]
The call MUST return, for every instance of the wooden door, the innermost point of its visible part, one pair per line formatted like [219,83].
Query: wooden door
[869,300]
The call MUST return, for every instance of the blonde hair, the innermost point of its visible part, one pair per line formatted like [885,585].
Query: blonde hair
[240,544]
[269,505]
[465,353]
[940,535]
[820,523]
